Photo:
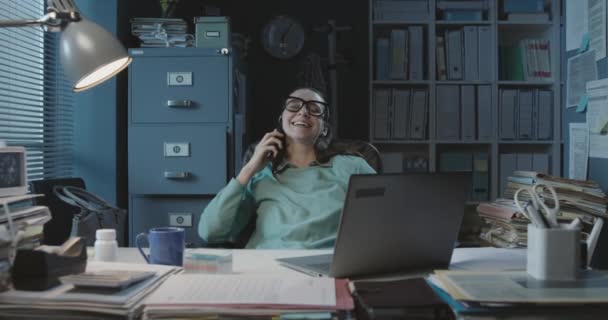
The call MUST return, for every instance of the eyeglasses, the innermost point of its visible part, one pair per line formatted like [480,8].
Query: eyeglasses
[314,107]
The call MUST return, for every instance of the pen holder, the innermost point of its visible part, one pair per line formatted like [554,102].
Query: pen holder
[553,253]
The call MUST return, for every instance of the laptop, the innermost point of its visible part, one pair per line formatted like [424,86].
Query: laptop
[393,223]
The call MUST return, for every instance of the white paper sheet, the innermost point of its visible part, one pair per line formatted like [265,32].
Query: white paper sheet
[597,108]
[598,146]
[240,289]
[579,151]
[597,27]
[581,69]
[576,23]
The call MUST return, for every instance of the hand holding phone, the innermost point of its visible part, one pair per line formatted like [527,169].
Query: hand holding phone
[268,149]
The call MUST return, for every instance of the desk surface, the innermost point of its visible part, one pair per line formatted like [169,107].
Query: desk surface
[263,261]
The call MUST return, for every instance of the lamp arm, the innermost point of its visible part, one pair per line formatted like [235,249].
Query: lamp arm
[53,20]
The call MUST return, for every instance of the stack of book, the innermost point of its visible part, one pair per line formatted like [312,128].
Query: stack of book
[157,32]
[526,59]
[21,224]
[506,226]
[577,198]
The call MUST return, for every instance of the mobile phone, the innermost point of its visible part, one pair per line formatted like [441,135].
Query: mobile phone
[275,161]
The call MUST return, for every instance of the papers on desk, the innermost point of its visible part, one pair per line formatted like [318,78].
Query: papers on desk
[67,300]
[192,295]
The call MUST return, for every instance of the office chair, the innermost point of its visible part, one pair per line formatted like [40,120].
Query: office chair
[56,231]
[359,148]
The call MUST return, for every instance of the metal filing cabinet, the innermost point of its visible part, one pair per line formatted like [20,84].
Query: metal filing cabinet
[180,136]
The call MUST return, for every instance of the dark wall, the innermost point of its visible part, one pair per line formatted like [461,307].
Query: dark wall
[271,79]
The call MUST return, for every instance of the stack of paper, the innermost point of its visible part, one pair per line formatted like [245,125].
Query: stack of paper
[196,295]
[507,227]
[157,32]
[65,301]
[23,231]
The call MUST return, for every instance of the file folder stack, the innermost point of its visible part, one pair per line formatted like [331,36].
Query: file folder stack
[400,56]
[507,227]
[157,32]
[400,114]
[462,54]
[526,114]
[26,226]
[464,113]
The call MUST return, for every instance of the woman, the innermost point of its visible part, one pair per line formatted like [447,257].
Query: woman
[298,196]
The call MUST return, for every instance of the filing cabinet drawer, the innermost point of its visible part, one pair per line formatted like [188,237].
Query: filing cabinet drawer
[153,212]
[183,90]
[177,160]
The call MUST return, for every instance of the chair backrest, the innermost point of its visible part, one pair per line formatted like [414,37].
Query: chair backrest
[58,229]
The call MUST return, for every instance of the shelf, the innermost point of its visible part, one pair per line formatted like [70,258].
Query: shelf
[460,23]
[400,23]
[400,141]
[462,142]
[398,82]
[462,82]
[525,23]
[524,142]
[526,83]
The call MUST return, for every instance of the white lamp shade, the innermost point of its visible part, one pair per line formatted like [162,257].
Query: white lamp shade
[90,55]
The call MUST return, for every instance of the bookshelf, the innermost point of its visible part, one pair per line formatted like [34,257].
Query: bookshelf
[503,33]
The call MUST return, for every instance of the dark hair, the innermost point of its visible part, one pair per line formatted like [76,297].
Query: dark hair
[323,140]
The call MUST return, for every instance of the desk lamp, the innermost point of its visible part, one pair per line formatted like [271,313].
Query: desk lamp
[89,54]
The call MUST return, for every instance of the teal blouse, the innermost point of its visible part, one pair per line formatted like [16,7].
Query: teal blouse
[297,208]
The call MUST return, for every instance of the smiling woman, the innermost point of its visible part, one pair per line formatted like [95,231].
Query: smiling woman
[296,193]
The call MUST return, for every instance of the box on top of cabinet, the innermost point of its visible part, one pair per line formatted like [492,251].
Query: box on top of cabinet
[212,32]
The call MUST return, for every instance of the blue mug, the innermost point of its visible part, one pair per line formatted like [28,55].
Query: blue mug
[166,245]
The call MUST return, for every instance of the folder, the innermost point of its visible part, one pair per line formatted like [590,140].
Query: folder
[381,113]
[507,167]
[545,115]
[398,54]
[416,51]
[526,115]
[481,178]
[485,53]
[382,58]
[508,113]
[401,111]
[471,50]
[448,112]
[442,73]
[540,163]
[484,113]
[419,113]
[467,115]
[454,54]
[524,162]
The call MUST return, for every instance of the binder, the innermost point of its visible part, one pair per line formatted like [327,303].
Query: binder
[484,113]
[454,53]
[419,116]
[540,163]
[524,162]
[398,51]
[416,51]
[448,112]
[382,58]
[481,178]
[467,115]
[392,162]
[401,111]
[485,53]
[471,51]
[545,115]
[442,73]
[381,113]
[526,115]
[507,166]
[508,113]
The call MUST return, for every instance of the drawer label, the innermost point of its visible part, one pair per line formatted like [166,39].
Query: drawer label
[177,149]
[180,219]
[179,78]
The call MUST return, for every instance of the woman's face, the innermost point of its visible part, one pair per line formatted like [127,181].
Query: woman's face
[301,126]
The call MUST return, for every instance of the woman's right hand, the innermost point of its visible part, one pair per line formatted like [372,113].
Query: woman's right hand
[266,149]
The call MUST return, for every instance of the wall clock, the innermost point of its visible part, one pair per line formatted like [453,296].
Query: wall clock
[283,37]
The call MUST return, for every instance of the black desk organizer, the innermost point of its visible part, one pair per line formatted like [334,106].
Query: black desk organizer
[38,270]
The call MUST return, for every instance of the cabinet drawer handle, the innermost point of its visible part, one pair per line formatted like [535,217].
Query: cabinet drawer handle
[180,104]
[176,175]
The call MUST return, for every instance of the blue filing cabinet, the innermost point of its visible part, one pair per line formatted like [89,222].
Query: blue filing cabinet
[180,136]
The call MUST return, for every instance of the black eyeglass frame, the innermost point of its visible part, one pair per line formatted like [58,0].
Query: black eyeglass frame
[324,113]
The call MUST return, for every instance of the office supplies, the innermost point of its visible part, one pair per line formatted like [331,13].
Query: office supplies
[382,103]
[484,44]
[382,59]
[214,32]
[525,110]
[467,113]
[484,113]
[416,53]
[13,174]
[401,113]
[553,253]
[217,262]
[419,114]
[536,205]
[508,113]
[442,73]
[593,238]
[399,54]
[454,54]
[166,244]
[403,214]
[448,112]
[108,279]
[471,51]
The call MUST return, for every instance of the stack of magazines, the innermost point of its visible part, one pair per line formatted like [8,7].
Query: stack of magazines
[22,231]
[159,32]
